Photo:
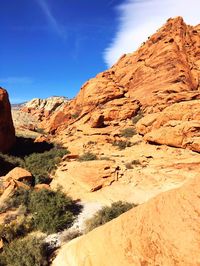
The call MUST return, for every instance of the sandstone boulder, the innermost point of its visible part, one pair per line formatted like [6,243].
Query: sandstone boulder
[164,231]
[90,175]
[19,174]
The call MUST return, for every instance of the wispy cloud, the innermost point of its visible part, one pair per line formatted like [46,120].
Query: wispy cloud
[56,26]
[16,80]
[140,18]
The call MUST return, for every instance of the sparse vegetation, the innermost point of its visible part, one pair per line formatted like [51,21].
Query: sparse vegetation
[16,229]
[133,163]
[51,211]
[106,214]
[42,164]
[88,156]
[28,251]
[40,130]
[137,117]
[75,115]
[121,144]
[128,132]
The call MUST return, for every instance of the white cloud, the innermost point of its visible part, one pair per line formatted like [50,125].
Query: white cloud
[51,18]
[138,19]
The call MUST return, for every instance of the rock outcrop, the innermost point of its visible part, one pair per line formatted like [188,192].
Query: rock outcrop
[163,71]
[44,107]
[18,177]
[177,125]
[92,175]
[7,131]
[164,231]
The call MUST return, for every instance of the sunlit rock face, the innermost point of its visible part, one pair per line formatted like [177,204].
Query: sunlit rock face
[163,71]
[164,231]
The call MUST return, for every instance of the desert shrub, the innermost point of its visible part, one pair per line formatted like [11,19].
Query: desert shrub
[122,144]
[52,211]
[106,214]
[42,164]
[8,162]
[131,164]
[137,117]
[40,130]
[69,235]
[20,197]
[17,228]
[75,115]
[128,132]
[88,156]
[28,251]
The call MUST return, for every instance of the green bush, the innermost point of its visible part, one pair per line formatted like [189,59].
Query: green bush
[42,164]
[51,211]
[128,132]
[137,117]
[106,214]
[87,157]
[29,251]
[122,144]
[17,228]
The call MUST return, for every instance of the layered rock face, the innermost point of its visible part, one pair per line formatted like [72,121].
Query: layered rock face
[164,231]
[163,71]
[7,131]
[178,125]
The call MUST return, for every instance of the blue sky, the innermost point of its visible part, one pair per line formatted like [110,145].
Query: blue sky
[51,47]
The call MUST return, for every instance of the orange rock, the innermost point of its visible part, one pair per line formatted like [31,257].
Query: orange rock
[164,231]
[91,175]
[97,121]
[163,71]
[41,186]
[19,174]
[177,125]
[7,131]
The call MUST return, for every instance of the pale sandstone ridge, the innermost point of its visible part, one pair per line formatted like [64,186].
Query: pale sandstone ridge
[44,107]
[163,71]
[164,231]
[7,131]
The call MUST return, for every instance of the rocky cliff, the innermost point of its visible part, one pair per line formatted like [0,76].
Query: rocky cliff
[163,71]
[164,231]
[7,131]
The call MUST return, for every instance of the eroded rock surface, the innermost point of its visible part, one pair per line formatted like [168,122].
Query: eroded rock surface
[164,231]
[163,71]
[177,125]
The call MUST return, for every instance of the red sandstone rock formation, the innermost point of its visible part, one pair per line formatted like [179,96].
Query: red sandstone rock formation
[7,131]
[163,71]
[164,231]
[177,125]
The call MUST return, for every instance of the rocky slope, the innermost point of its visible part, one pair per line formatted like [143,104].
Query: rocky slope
[163,71]
[7,131]
[164,231]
